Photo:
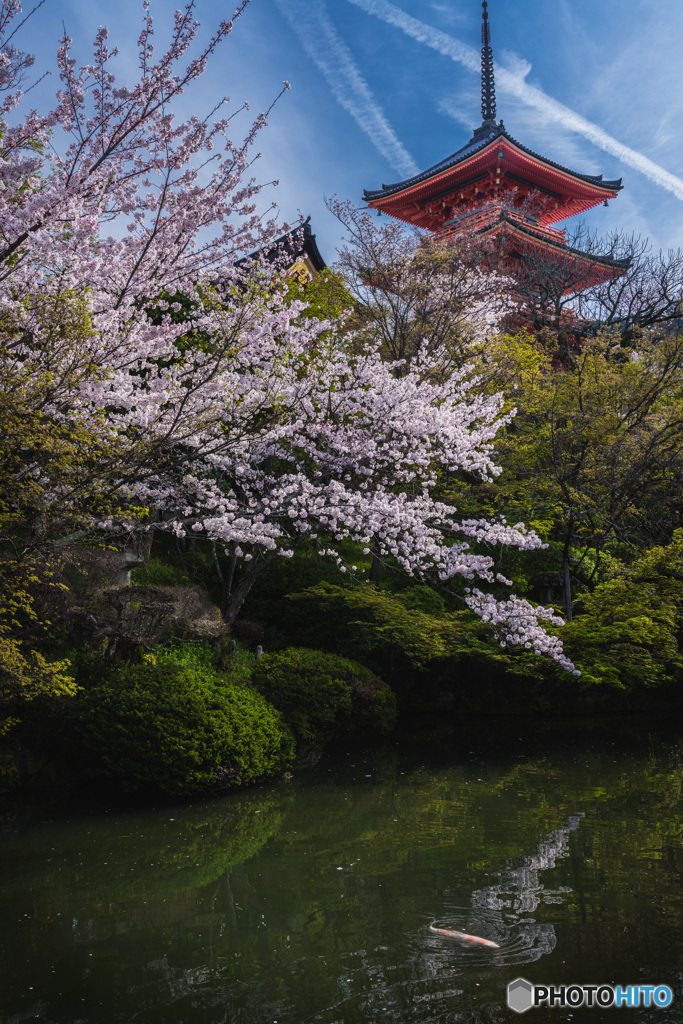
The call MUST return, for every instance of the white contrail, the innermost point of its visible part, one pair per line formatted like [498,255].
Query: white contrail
[327,50]
[514,84]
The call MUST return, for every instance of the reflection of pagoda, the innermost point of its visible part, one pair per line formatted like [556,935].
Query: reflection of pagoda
[497,189]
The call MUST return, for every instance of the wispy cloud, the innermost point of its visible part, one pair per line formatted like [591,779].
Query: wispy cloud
[447,12]
[513,82]
[334,60]
[433,37]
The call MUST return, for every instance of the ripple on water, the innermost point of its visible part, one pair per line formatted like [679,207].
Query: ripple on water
[434,978]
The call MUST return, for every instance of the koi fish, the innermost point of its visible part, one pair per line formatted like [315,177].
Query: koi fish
[473,940]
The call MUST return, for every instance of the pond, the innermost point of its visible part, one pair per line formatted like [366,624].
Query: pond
[310,900]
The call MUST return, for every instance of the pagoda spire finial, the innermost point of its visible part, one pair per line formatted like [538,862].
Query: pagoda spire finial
[488,86]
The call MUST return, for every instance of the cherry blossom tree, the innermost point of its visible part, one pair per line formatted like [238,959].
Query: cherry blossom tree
[106,203]
[183,390]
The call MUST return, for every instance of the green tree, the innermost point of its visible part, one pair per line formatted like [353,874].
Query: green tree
[629,632]
[594,456]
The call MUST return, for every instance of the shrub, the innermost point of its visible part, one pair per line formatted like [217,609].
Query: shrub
[159,573]
[196,655]
[182,728]
[423,599]
[320,694]
[375,626]
[234,665]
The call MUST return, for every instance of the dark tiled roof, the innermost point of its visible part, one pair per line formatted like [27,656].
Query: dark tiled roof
[605,261]
[310,247]
[298,242]
[482,138]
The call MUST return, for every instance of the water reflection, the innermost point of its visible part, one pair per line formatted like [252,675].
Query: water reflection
[520,891]
[310,900]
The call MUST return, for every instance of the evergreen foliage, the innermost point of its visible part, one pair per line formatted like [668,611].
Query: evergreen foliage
[181,728]
[628,634]
[320,694]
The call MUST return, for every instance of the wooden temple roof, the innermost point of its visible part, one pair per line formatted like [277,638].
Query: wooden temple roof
[521,238]
[489,165]
[478,144]
[492,167]
[298,244]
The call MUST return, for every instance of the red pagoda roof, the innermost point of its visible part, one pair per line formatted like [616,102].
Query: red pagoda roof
[492,164]
[522,238]
[492,167]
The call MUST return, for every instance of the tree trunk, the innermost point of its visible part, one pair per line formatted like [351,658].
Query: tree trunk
[236,594]
[569,535]
[235,585]
[376,565]
[567,590]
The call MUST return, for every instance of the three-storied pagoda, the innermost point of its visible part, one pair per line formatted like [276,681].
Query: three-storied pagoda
[497,189]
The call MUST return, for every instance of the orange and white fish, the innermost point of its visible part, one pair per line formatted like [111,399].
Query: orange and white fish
[472,940]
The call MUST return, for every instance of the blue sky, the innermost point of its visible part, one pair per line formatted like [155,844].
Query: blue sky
[383,89]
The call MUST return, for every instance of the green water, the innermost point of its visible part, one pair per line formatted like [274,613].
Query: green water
[310,900]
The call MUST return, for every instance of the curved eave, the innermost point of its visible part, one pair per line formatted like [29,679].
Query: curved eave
[471,149]
[615,185]
[311,249]
[542,241]
[298,242]
[475,149]
[575,193]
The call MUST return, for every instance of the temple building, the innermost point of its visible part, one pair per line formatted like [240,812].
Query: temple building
[497,190]
[297,250]
[302,250]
